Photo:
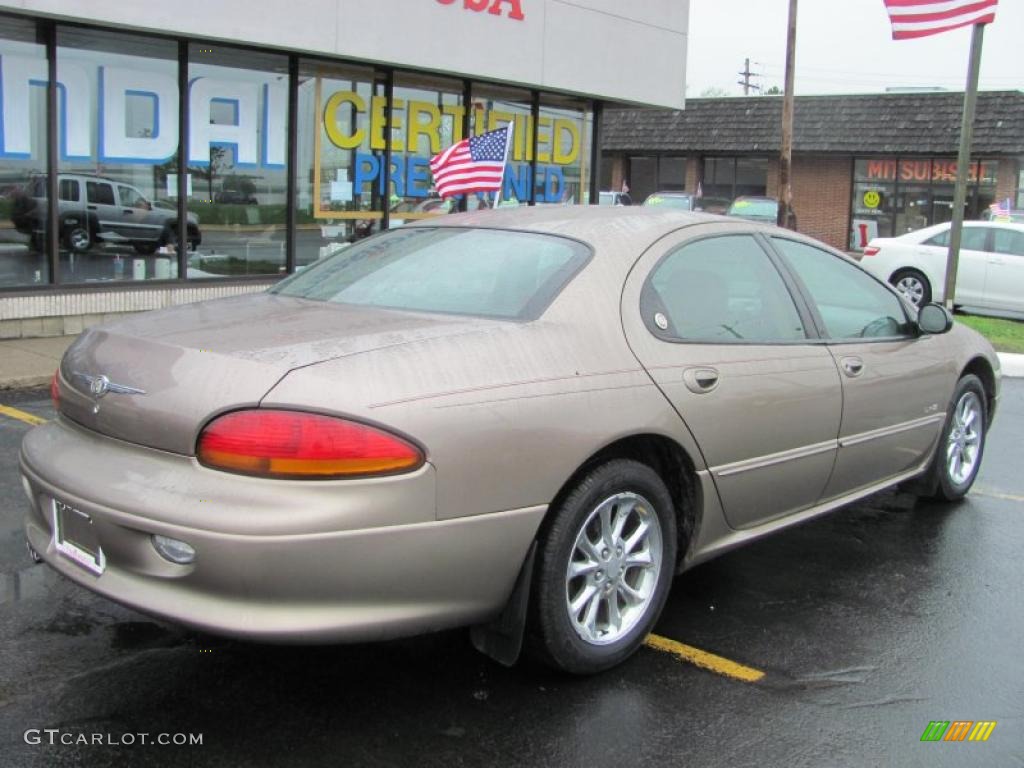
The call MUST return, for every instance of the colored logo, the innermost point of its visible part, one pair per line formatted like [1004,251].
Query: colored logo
[958,730]
[872,199]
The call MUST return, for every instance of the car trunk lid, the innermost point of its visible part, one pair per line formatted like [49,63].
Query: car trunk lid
[156,379]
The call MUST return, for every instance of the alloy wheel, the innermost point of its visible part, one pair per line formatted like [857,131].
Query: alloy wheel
[963,446]
[614,568]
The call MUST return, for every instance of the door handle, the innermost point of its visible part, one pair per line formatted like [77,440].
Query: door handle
[127,210]
[91,207]
[996,261]
[700,381]
[852,366]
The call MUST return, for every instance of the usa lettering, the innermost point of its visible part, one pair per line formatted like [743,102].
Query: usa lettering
[515,9]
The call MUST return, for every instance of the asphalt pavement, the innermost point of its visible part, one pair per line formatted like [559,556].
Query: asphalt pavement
[865,627]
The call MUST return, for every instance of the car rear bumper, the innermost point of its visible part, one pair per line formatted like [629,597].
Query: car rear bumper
[285,561]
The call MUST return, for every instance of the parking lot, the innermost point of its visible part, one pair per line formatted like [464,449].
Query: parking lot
[835,643]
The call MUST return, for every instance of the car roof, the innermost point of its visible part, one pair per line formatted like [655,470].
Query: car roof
[604,227]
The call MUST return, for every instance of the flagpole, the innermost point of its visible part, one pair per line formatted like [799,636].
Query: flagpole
[962,162]
[508,141]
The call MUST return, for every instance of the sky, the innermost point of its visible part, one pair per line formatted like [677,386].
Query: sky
[843,46]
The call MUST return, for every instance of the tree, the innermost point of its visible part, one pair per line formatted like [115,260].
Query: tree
[713,92]
[773,91]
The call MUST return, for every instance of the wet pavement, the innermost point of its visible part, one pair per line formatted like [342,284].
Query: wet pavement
[869,624]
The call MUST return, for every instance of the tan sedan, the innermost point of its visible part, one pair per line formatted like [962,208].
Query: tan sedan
[522,421]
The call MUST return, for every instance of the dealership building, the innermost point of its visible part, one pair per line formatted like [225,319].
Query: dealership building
[863,165]
[158,154]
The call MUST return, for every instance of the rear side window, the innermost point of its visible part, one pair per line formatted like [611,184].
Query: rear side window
[483,272]
[99,193]
[717,290]
[69,190]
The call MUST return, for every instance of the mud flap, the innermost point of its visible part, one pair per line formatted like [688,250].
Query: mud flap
[502,639]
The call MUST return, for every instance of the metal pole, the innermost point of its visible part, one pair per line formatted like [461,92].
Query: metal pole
[962,162]
[509,138]
[786,156]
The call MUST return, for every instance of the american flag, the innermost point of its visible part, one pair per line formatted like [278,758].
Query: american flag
[919,18]
[476,164]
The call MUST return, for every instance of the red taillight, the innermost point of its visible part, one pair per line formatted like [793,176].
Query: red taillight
[871,250]
[293,444]
[55,390]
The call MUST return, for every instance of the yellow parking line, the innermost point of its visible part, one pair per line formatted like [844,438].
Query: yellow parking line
[14,413]
[997,495]
[704,659]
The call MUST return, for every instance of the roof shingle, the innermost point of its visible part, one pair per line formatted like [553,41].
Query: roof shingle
[905,123]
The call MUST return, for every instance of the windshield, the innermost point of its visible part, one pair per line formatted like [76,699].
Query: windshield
[485,272]
[767,209]
[670,201]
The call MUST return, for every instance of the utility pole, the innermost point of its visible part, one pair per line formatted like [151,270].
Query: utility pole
[963,160]
[786,156]
[746,74]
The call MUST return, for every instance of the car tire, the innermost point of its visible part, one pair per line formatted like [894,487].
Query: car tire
[77,238]
[604,567]
[913,285]
[962,443]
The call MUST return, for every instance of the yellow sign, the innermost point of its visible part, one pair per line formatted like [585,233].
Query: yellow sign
[558,138]
[872,199]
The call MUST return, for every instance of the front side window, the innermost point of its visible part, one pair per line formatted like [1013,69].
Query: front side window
[481,272]
[971,239]
[131,198]
[852,304]
[720,289]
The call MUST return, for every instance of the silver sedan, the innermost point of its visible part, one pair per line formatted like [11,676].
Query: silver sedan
[524,421]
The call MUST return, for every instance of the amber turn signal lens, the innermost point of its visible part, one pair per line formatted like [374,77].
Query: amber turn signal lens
[297,445]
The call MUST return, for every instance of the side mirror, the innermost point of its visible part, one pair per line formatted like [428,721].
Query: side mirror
[934,318]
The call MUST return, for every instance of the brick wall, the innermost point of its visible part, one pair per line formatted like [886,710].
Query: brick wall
[1006,179]
[821,197]
[692,173]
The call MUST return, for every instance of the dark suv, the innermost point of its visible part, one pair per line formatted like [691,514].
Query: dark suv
[94,209]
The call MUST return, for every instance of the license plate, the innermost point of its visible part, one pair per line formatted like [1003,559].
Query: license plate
[74,536]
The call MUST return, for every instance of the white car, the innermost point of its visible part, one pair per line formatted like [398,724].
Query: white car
[990,273]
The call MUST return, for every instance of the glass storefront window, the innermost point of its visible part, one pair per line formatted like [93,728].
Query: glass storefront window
[237,158]
[341,156]
[493,108]
[23,189]
[895,195]
[643,177]
[671,173]
[117,181]
[117,215]
[726,178]
[426,118]
[564,138]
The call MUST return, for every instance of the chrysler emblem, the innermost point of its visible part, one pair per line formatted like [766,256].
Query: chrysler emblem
[101,385]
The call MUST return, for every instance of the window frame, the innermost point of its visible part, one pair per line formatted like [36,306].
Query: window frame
[812,306]
[807,319]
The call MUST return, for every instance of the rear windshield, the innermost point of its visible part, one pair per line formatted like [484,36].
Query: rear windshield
[484,272]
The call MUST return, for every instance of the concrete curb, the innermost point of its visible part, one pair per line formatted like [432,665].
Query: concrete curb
[1012,365]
